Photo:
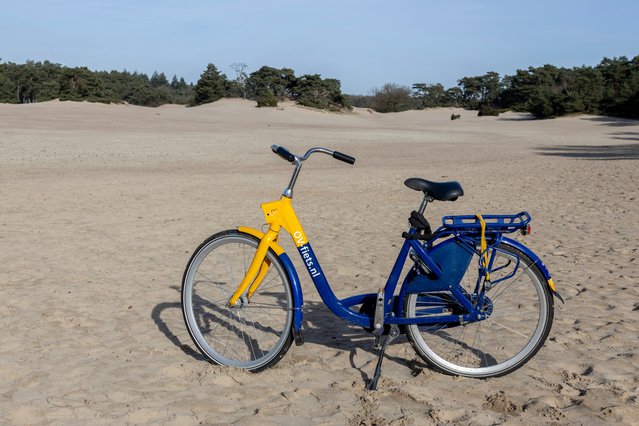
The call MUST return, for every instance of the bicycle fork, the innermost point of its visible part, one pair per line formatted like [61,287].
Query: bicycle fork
[257,270]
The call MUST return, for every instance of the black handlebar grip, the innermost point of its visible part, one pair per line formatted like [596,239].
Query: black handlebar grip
[343,157]
[283,152]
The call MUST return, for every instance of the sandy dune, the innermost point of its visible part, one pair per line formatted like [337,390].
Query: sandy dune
[102,206]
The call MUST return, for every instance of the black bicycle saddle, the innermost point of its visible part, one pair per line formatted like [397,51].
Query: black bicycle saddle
[442,191]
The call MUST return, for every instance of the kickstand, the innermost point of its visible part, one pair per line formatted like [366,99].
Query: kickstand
[385,339]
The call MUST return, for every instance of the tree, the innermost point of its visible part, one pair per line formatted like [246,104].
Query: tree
[470,91]
[277,82]
[313,91]
[158,80]
[210,86]
[588,87]
[27,86]
[620,92]
[81,84]
[453,96]
[429,95]
[174,82]
[391,98]
[479,90]
[240,78]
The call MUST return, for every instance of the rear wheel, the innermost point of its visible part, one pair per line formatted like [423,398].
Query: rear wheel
[519,310]
[254,334]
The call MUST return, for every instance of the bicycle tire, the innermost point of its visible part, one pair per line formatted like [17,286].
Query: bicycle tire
[519,322]
[254,335]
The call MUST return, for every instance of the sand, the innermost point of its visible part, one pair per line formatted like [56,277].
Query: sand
[102,206]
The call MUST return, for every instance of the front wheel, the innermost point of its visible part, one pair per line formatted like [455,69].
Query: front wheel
[254,334]
[519,310]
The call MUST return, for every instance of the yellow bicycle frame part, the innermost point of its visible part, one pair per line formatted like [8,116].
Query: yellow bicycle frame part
[279,214]
[259,235]
[483,245]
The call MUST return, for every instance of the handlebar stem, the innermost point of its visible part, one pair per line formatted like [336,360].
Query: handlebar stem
[288,191]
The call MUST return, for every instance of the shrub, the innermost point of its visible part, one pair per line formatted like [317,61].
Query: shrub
[267,100]
[487,110]
[392,98]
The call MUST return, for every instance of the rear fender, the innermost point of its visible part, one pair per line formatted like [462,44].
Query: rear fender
[298,299]
[532,256]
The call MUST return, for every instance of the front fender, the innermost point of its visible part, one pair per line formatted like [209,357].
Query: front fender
[537,260]
[296,287]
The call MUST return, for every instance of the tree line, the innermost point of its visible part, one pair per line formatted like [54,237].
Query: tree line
[43,81]
[609,88]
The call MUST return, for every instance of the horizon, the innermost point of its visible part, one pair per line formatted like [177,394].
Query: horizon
[362,44]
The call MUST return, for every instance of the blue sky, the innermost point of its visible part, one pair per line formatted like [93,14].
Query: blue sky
[362,43]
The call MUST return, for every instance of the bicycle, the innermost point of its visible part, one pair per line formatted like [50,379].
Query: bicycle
[474,302]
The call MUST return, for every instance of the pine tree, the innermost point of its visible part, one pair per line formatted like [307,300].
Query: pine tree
[210,86]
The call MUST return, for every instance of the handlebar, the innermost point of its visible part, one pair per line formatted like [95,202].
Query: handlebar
[297,161]
[343,157]
[283,152]
[292,158]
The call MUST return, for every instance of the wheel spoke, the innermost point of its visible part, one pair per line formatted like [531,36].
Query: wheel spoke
[509,329]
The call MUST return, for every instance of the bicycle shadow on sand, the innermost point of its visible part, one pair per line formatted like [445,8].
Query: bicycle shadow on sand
[320,327]
[175,309]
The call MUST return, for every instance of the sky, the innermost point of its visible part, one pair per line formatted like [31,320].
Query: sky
[364,44]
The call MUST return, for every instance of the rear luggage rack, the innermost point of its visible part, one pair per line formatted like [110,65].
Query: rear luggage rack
[494,222]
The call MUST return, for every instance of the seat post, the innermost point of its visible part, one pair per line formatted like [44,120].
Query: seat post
[422,205]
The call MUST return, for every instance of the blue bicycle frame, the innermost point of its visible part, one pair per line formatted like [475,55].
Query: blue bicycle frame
[446,262]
